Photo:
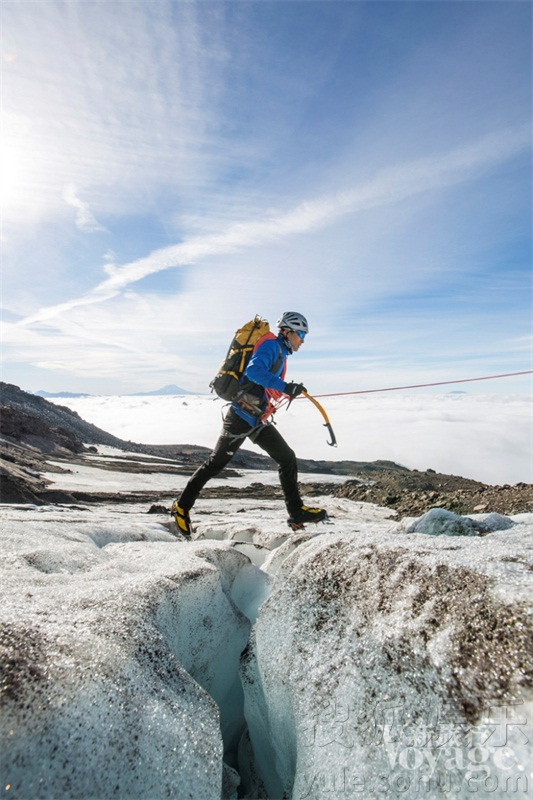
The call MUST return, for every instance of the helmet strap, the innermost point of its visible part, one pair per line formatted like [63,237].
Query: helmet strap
[283,333]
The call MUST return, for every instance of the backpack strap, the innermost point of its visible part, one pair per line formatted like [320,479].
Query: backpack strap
[252,394]
[274,368]
[273,396]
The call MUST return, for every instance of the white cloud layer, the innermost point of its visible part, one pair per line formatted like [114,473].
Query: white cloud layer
[479,437]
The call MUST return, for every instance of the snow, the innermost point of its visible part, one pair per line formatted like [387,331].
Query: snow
[82,477]
[483,436]
[113,453]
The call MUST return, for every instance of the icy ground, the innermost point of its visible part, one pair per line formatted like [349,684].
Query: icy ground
[368,658]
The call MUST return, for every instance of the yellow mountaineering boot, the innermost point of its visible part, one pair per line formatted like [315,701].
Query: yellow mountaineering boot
[305,514]
[182,519]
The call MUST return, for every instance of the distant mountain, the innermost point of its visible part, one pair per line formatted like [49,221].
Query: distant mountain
[42,393]
[170,389]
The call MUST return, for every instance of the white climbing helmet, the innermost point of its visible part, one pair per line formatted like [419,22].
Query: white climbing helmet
[293,321]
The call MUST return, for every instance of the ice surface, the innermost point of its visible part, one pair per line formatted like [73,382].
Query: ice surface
[388,665]
[441,522]
[352,659]
[493,521]
[114,654]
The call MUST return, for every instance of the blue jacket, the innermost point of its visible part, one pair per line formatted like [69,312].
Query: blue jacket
[259,373]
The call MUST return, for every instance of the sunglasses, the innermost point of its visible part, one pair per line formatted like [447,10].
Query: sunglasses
[301,334]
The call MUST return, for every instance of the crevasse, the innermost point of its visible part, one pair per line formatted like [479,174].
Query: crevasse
[219,656]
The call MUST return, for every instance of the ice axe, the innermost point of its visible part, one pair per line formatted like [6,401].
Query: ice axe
[327,423]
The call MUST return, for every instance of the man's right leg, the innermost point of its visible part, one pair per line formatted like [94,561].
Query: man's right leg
[270,440]
[234,432]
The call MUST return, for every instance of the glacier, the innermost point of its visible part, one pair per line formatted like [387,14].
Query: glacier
[359,659]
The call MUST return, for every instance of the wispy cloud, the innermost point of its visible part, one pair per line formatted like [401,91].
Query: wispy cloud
[121,343]
[85,219]
[391,185]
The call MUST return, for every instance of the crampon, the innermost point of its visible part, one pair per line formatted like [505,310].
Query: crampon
[297,522]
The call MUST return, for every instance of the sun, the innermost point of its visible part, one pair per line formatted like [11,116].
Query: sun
[23,170]
[11,166]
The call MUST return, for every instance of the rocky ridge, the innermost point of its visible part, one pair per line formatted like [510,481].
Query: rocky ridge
[416,492]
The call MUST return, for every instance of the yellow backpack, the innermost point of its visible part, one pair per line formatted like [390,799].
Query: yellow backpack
[226,382]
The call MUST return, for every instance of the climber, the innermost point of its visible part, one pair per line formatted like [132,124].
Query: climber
[250,415]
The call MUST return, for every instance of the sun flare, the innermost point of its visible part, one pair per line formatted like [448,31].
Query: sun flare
[24,185]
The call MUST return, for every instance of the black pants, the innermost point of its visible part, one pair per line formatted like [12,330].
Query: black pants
[234,432]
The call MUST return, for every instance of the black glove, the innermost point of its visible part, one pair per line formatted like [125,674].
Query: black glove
[294,389]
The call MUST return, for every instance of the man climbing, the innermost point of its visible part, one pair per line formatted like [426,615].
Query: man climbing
[261,385]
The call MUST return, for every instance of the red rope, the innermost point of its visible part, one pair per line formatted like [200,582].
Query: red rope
[423,385]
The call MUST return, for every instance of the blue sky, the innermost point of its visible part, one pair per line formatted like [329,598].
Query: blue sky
[171,169]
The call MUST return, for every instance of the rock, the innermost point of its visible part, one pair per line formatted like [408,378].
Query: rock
[13,490]
[412,493]
[157,509]
[24,415]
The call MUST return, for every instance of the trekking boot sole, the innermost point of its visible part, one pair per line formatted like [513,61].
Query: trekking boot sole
[300,526]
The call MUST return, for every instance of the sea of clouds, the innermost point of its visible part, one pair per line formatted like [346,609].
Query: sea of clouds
[485,437]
